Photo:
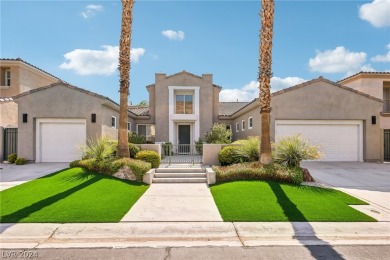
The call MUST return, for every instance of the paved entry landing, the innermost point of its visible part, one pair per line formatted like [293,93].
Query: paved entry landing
[175,202]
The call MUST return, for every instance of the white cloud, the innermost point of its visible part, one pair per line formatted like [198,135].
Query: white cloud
[91,10]
[382,58]
[377,13]
[97,62]
[251,90]
[173,35]
[339,60]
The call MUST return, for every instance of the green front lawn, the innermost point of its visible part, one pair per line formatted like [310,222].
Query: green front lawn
[71,195]
[272,201]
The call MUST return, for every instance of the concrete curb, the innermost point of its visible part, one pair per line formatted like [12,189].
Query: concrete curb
[191,234]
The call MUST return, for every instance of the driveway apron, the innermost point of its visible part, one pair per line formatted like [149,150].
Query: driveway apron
[175,202]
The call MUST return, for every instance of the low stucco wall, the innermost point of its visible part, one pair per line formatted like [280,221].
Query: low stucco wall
[1,143]
[210,154]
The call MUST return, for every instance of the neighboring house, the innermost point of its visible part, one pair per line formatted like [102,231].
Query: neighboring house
[59,118]
[18,76]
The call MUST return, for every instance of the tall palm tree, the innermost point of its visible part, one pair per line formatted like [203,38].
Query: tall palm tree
[265,74]
[124,70]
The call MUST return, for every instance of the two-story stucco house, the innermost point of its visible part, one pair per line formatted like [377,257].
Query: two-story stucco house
[348,119]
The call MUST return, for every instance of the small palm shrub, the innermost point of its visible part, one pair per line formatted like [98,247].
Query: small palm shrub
[167,148]
[249,149]
[292,150]
[20,161]
[149,156]
[12,158]
[135,138]
[99,149]
[228,156]
[133,149]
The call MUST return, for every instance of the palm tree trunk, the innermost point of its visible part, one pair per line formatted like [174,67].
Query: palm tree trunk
[124,70]
[265,74]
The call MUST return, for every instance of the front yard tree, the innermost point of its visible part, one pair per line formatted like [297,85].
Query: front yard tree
[265,74]
[124,71]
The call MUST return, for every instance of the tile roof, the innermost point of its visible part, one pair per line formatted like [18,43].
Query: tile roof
[139,110]
[5,99]
[229,108]
[29,64]
[364,72]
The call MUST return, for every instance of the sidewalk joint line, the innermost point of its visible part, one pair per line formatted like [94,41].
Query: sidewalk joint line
[238,236]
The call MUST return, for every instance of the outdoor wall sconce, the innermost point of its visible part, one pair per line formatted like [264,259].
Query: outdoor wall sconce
[24,118]
[373,120]
[93,118]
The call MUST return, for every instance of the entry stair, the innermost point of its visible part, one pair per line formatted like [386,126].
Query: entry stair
[180,175]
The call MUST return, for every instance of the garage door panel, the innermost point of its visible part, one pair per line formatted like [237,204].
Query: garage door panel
[60,141]
[338,141]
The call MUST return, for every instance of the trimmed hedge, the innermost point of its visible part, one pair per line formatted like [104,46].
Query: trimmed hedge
[228,156]
[149,156]
[133,149]
[256,171]
[12,158]
[20,161]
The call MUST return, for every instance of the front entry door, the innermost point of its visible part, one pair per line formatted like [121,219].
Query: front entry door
[184,139]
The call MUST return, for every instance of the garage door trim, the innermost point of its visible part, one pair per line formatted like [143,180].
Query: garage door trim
[358,123]
[40,121]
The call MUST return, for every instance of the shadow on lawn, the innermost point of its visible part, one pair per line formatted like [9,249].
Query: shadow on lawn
[302,228]
[25,212]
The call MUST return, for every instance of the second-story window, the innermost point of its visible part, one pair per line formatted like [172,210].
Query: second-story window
[386,100]
[184,104]
[243,125]
[7,78]
[113,121]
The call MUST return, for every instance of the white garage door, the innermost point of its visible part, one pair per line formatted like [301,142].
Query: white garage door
[338,140]
[59,140]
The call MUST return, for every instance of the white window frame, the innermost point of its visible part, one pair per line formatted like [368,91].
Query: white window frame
[129,126]
[250,122]
[115,122]
[243,125]
[184,102]
[237,127]
[7,77]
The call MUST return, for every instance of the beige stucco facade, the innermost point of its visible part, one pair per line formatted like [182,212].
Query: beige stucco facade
[61,101]
[319,99]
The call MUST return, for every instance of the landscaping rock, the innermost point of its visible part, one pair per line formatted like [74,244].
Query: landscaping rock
[125,173]
[307,176]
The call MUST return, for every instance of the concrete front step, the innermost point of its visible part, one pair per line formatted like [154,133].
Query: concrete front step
[179,180]
[180,175]
[179,170]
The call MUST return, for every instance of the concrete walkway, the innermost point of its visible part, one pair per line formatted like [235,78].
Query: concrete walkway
[12,175]
[192,234]
[175,202]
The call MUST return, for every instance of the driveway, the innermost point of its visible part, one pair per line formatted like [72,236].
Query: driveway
[12,175]
[367,181]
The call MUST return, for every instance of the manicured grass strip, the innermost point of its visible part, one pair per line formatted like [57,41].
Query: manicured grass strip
[272,201]
[71,195]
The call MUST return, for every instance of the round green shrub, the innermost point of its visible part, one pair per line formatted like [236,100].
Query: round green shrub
[20,161]
[149,156]
[133,149]
[75,163]
[228,156]
[12,158]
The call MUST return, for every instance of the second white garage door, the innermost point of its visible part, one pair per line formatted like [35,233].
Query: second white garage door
[339,140]
[59,140]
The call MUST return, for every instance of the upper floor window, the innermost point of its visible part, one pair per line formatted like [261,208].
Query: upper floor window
[184,104]
[243,125]
[237,127]
[386,99]
[250,123]
[113,121]
[7,77]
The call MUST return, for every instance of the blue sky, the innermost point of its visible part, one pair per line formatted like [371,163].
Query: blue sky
[78,41]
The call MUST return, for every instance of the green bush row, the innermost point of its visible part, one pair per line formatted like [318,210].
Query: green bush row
[149,156]
[256,171]
[109,167]
[13,158]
